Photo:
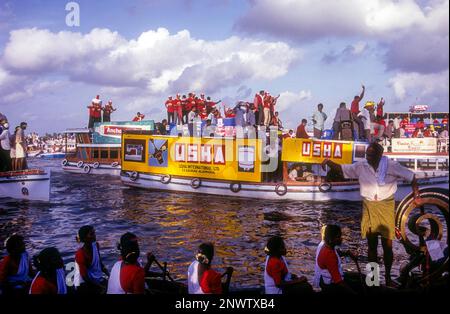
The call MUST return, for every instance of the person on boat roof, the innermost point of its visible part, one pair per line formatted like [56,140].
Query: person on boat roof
[127,275]
[138,117]
[277,278]
[89,268]
[50,278]
[202,279]
[328,273]
[16,270]
[377,176]
[107,110]
[301,130]
[354,109]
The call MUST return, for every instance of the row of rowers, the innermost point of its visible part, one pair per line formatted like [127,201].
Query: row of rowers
[127,276]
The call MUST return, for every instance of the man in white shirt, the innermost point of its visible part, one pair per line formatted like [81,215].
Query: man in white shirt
[296,174]
[377,176]
[5,146]
[366,117]
[318,119]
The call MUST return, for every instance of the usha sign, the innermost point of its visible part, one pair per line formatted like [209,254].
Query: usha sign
[414,145]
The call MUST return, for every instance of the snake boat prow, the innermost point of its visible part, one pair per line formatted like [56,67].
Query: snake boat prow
[235,167]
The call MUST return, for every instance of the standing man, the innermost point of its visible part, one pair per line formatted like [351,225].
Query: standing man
[342,114]
[21,147]
[107,111]
[396,126]
[5,146]
[170,110]
[377,177]
[301,131]
[318,119]
[259,101]
[355,112]
[365,116]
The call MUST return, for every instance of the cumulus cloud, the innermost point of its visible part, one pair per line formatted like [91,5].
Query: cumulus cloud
[414,35]
[350,52]
[157,61]
[292,106]
[422,88]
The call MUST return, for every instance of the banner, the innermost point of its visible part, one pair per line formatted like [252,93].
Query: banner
[414,145]
[111,132]
[222,159]
[315,151]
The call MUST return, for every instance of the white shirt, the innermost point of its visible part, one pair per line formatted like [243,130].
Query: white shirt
[367,177]
[396,123]
[366,114]
[293,174]
[320,118]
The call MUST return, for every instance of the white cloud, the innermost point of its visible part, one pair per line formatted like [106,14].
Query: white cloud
[157,61]
[416,87]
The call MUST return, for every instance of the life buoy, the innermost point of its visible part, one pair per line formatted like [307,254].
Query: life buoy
[196,183]
[87,169]
[325,187]
[80,164]
[235,187]
[281,189]
[96,165]
[114,164]
[165,179]
[134,176]
[64,162]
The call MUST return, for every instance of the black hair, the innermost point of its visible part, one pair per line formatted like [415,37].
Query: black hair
[304,121]
[13,243]
[275,246]
[206,249]
[129,247]
[342,105]
[320,105]
[331,233]
[83,232]
[48,261]
[377,147]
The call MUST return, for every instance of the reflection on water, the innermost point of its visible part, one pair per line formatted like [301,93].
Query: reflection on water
[172,225]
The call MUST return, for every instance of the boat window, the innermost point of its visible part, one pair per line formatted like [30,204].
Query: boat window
[114,154]
[95,153]
[104,154]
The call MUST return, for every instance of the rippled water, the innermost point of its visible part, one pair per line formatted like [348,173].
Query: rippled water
[172,225]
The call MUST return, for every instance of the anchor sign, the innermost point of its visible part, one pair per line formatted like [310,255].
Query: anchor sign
[158,151]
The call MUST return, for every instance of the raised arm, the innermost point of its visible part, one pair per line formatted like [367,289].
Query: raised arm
[362,93]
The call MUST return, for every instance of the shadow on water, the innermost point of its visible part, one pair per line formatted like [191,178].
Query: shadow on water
[172,225]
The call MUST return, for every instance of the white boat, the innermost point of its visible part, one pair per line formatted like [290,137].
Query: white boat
[33,184]
[234,167]
[51,155]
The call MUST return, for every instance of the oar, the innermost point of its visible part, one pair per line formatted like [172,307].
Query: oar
[164,269]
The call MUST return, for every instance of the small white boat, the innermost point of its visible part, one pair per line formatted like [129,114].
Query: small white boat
[32,184]
[51,155]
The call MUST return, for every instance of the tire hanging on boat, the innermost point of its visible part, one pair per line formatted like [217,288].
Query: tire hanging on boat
[64,162]
[134,176]
[96,165]
[235,187]
[325,187]
[87,169]
[114,164]
[165,179]
[196,183]
[281,189]
[80,164]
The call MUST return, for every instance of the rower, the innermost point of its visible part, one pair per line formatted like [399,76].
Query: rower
[329,274]
[202,279]
[89,268]
[15,268]
[50,278]
[127,275]
[277,277]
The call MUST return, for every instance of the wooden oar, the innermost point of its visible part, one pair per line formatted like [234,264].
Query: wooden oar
[164,269]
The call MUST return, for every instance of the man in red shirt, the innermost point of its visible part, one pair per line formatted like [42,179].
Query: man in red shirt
[328,261]
[170,109]
[354,109]
[301,131]
[258,102]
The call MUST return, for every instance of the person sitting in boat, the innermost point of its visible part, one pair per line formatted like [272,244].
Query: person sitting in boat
[127,275]
[138,117]
[202,279]
[89,268]
[16,270]
[277,278]
[296,174]
[328,272]
[50,278]
[107,110]
[5,147]
[289,134]
[378,177]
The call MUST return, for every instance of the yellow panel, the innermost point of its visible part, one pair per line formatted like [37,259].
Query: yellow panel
[223,159]
[315,151]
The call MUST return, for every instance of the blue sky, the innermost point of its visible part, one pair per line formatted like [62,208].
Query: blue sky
[139,52]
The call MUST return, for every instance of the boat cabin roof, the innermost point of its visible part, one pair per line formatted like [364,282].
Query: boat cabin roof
[77,130]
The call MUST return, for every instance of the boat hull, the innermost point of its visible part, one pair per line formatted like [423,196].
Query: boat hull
[306,192]
[35,187]
[102,169]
